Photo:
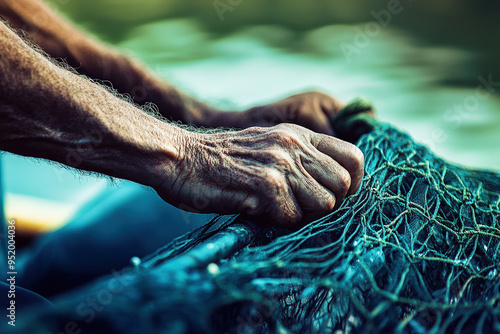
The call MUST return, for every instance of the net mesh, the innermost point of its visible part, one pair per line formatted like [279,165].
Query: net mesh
[415,250]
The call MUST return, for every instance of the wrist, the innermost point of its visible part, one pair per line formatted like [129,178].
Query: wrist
[164,152]
[139,148]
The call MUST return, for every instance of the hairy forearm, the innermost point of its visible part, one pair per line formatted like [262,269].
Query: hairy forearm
[60,39]
[50,113]
[130,77]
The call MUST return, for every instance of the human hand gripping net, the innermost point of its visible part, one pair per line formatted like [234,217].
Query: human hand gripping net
[415,250]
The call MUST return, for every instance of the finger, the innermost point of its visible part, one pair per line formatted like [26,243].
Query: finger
[285,209]
[276,199]
[346,154]
[329,174]
[251,205]
[314,200]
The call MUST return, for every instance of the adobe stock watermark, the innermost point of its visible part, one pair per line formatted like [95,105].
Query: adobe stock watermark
[11,272]
[372,29]
[223,6]
[461,111]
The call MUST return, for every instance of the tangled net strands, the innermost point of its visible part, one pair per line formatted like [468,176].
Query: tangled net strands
[415,250]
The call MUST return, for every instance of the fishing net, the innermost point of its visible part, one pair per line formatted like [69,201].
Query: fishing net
[415,250]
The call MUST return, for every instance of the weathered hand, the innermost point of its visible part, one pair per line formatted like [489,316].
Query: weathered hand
[286,173]
[312,110]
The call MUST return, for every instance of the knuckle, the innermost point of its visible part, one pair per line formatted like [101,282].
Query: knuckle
[288,128]
[285,211]
[290,135]
[282,136]
[320,96]
[252,206]
[280,127]
[283,161]
[289,217]
[344,181]
[357,159]
[325,201]
[329,203]
[250,203]
[274,179]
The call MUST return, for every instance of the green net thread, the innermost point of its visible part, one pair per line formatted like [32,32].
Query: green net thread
[415,250]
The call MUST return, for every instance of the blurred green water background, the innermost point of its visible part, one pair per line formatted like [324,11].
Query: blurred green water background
[419,62]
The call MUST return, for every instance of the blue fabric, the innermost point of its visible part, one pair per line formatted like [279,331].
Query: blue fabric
[124,221]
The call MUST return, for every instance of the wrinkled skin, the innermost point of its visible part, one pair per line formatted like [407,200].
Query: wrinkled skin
[287,173]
